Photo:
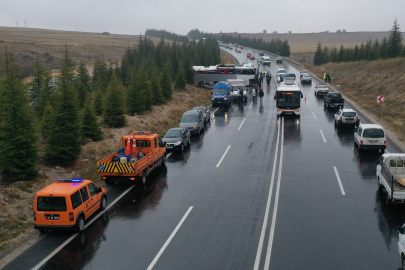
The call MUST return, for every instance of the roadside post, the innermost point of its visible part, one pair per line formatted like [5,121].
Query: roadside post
[380,99]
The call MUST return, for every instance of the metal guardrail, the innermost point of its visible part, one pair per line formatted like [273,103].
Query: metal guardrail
[284,58]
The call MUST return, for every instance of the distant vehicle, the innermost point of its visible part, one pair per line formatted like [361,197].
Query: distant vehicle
[266,61]
[333,100]
[222,94]
[236,45]
[252,57]
[231,47]
[280,72]
[237,84]
[67,203]
[245,61]
[279,60]
[306,78]
[370,136]
[321,89]
[288,97]
[248,65]
[193,120]
[224,45]
[261,53]
[206,113]
[391,179]
[241,47]
[227,46]
[177,138]
[346,117]
[248,55]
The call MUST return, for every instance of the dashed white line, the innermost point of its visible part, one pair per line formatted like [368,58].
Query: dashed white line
[214,111]
[223,156]
[242,123]
[387,151]
[169,239]
[307,101]
[323,137]
[266,215]
[251,104]
[313,115]
[340,183]
[47,258]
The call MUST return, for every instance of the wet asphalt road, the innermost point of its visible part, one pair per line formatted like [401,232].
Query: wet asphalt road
[223,201]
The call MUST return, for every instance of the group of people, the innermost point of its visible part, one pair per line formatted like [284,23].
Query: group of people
[327,77]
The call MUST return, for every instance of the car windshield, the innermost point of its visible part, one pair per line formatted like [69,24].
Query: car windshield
[51,204]
[220,91]
[335,95]
[349,114]
[288,99]
[281,71]
[173,133]
[307,76]
[373,133]
[199,108]
[189,119]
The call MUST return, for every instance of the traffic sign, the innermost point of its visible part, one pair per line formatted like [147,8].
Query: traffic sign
[323,69]
[380,99]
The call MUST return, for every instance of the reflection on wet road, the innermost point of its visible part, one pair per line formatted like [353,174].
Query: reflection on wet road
[310,223]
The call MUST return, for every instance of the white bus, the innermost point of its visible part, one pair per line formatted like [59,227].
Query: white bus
[288,97]
[213,74]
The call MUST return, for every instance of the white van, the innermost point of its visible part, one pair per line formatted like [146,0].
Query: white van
[237,84]
[370,136]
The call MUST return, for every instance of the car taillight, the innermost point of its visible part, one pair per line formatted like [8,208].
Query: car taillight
[357,117]
[341,118]
[132,178]
[361,142]
[71,217]
[385,142]
[35,216]
[103,177]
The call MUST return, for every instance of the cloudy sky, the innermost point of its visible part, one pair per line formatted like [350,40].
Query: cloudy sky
[180,16]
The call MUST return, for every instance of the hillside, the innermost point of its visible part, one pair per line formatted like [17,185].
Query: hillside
[26,43]
[364,81]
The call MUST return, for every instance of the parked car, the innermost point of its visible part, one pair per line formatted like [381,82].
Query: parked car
[279,60]
[346,117]
[193,120]
[252,57]
[370,136]
[177,138]
[248,55]
[261,53]
[206,113]
[306,78]
[333,100]
[280,72]
[321,89]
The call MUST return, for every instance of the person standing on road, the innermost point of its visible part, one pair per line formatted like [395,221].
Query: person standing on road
[329,77]
[259,83]
[324,76]
[268,78]
[241,94]
[261,94]
[253,94]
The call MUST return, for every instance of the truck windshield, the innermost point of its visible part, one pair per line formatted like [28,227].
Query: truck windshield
[51,204]
[220,91]
[173,134]
[373,133]
[288,99]
[189,118]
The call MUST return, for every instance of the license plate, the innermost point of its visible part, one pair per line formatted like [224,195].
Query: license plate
[349,119]
[52,217]
[218,101]
[373,141]
[170,147]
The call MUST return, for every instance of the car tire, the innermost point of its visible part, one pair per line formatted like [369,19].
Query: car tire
[359,147]
[80,224]
[103,203]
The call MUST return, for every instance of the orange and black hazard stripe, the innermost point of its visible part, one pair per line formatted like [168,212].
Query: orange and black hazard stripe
[108,167]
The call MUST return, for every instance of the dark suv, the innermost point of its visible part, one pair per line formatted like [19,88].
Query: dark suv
[193,120]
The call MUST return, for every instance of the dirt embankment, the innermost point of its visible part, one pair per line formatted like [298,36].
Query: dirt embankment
[16,200]
[363,81]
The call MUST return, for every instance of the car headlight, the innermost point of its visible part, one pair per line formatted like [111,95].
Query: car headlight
[178,143]
[194,127]
[225,98]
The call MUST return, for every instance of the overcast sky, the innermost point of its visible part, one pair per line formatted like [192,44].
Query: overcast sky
[180,16]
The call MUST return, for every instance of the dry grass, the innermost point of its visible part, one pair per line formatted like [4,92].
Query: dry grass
[226,58]
[364,81]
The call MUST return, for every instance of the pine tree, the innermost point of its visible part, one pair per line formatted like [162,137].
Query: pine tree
[147,91]
[64,139]
[90,126]
[48,120]
[83,76]
[368,49]
[98,102]
[82,93]
[362,52]
[135,98]
[384,49]
[375,50]
[166,82]
[356,53]
[341,54]
[180,82]
[47,92]
[100,75]
[36,85]
[395,41]
[18,152]
[158,98]
[188,72]
[115,106]
[318,55]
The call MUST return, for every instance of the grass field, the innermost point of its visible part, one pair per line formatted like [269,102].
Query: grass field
[26,43]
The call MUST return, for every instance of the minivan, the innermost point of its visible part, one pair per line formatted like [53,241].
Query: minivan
[370,136]
[222,94]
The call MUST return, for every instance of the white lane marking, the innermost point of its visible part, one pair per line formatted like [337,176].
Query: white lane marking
[47,258]
[214,111]
[251,104]
[273,221]
[226,151]
[168,155]
[307,101]
[340,183]
[323,137]
[313,115]
[169,239]
[242,123]
[266,214]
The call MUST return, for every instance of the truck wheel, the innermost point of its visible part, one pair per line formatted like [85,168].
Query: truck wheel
[103,203]
[80,224]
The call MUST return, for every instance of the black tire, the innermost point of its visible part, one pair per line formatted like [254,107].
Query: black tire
[382,151]
[164,159]
[103,203]
[379,184]
[80,224]
[359,148]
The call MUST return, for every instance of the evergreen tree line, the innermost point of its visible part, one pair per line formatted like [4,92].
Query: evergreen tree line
[166,35]
[390,47]
[63,110]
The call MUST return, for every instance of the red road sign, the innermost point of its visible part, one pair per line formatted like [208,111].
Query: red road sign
[323,69]
[380,99]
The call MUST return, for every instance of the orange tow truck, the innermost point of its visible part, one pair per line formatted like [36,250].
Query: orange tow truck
[138,155]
